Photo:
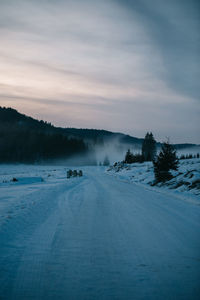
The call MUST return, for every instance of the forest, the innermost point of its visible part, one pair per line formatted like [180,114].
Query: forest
[27,140]
[24,139]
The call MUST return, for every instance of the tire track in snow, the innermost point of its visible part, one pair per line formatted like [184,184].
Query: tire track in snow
[106,239]
[30,278]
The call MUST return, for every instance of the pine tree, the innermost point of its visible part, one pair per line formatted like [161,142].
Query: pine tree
[128,157]
[106,161]
[149,147]
[164,162]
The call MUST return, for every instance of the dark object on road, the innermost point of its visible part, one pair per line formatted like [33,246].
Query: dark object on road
[14,179]
[80,173]
[74,173]
[69,173]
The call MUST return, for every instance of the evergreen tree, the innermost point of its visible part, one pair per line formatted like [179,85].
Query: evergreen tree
[131,158]
[128,157]
[106,161]
[149,147]
[164,162]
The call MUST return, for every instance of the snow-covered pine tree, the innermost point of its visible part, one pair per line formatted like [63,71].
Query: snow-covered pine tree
[166,160]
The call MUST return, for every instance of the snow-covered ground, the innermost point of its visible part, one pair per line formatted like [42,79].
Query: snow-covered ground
[186,180]
[95,237]
[30,178]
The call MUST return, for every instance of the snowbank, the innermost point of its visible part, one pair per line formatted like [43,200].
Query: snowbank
[186,179]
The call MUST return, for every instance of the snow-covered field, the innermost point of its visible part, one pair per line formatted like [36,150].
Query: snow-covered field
[186,180]
[96,236]
[30,179]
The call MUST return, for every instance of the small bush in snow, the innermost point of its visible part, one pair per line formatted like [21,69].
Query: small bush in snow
[69,173]
[14,179]
[74,173]
[80,173]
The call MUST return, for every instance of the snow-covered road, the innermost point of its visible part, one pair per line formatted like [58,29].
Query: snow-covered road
[100,238]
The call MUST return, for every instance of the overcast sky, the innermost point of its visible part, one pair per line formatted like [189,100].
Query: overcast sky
[122,65]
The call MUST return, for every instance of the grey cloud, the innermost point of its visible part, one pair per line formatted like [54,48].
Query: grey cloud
[174,28]
[144,44]
[73,101]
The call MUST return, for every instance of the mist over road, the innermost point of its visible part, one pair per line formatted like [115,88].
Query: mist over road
[100,238]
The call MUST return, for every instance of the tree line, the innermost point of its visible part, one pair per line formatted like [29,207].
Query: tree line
[163,163]
[25,145]
[148,151]
[189,156]
[27,140]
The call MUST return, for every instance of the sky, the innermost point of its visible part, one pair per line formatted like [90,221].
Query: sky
[128,66]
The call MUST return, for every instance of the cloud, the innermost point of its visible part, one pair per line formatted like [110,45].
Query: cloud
[173,27]
[123,65]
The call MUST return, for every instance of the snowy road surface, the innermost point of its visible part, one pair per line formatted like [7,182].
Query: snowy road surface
[99,238]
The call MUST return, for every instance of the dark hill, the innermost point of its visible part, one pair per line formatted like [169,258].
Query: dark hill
[25,139]
[11,116]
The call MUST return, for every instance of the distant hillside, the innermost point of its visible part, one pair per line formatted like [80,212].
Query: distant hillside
[25,139]
[100,136]
[12,116]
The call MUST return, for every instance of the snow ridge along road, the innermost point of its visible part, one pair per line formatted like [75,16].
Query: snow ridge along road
[99,238]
